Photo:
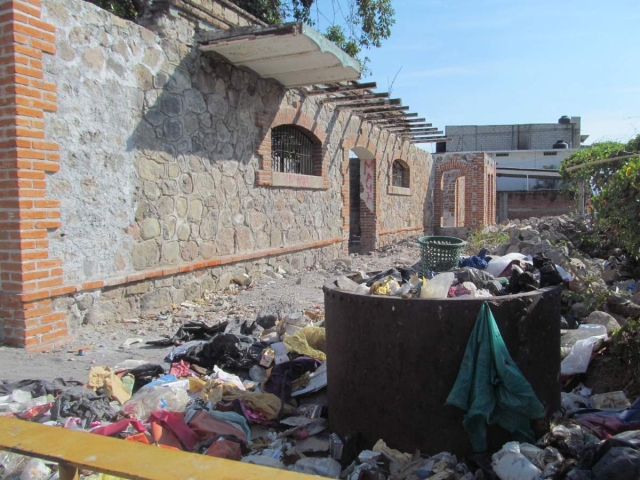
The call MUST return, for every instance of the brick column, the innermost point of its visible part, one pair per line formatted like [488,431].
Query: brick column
[28,276]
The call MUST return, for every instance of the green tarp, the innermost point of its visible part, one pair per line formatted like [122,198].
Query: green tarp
[491,388]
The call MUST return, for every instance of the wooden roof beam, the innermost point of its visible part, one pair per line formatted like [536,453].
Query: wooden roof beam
[371,116]
[351,98]
[429,140]
[412,128]
[343,88]
[365,105]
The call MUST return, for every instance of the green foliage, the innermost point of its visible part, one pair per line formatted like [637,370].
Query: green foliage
[127,9]
[614,185]
[365,23]
[592,295]
[479,239]
[626,348]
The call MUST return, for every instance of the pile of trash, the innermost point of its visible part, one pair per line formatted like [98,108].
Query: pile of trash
[479,276]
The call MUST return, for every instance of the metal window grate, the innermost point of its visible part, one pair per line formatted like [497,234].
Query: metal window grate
[291,150]
[400,175]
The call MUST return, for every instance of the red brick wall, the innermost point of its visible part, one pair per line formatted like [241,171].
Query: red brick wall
[522,205]
[479,191]
[28,275]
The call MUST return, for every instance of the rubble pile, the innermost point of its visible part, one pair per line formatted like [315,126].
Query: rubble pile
[249,384]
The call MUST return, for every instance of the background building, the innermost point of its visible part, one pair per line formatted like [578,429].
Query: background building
[527,157]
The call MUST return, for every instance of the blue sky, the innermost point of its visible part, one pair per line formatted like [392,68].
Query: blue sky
[516,61]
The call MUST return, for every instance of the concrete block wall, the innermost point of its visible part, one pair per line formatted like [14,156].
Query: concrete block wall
[136,171]
[540,136]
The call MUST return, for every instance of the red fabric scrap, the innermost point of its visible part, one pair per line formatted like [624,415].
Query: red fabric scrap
[181,369]
[119,427]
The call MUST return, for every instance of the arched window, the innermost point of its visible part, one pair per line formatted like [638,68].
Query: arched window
[400,172]
[292,151]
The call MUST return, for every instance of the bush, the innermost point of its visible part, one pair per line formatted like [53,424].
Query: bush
[614,185]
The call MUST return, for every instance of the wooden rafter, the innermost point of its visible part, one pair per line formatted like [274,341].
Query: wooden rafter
[351,98]
[377,103]
[429,139]
[343,88]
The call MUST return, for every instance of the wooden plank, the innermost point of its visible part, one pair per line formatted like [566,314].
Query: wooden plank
[376,103]
[343,88]
[125,459]
[427,131]
[380,113]
[351,98]
[405,128]
[429,140]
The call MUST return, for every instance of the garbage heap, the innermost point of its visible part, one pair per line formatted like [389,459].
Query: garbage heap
[253,391]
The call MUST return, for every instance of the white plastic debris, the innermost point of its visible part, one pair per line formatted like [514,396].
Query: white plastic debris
[510,464]
[578,359]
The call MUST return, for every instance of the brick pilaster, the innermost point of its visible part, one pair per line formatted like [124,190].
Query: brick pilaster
[26,158]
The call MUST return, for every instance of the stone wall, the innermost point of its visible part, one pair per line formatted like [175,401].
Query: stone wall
[163,179]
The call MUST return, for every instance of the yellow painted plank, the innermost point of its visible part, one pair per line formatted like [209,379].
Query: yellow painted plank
[125,459]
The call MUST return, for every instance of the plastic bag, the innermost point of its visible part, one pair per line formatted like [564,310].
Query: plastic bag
[149,399]
[578,360]
[35,469]
[498,264]
[438,286]
[324,467]
[510,464]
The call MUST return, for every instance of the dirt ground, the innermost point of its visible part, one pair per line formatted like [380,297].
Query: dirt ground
[105,343]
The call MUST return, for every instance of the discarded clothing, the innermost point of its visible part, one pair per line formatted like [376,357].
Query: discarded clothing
[242,326]
[206,427]
[181,369]
[523,280]
[606,423]
[119,427]
[491,388]
[225,350]
[223,447]
[476,261]
[174,421]
[266,403]
[310,341]
[38,388]
[104,377]
[145,374]
[190,331]
[84,404]
[549,275]
[282,376]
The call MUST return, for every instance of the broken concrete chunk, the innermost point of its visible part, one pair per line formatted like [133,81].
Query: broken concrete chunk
[603,318]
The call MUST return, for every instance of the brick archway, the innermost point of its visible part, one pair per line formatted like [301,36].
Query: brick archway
[292,116]
[477,189]
[365,149]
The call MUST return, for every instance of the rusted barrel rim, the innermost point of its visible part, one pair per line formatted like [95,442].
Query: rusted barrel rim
[331,287]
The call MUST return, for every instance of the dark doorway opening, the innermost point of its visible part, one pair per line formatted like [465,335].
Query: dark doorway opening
[355,231]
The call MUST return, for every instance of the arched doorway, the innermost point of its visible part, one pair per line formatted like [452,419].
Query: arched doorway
[362,200]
